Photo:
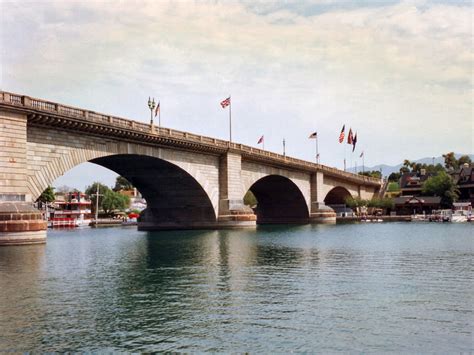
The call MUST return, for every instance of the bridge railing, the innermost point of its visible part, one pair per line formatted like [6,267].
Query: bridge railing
[91,116]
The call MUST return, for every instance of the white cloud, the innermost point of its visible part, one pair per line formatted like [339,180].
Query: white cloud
[403,70]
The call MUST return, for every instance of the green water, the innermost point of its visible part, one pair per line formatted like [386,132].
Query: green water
[387,287]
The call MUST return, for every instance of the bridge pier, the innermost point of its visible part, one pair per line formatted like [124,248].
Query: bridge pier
[20,222]
[319,212]
[232,211]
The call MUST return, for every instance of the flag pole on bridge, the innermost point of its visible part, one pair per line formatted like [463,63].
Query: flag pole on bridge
[224,104]
[314,136]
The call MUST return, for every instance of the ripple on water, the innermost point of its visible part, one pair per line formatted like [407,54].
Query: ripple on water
[385,287]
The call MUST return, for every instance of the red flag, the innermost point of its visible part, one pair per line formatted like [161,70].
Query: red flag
[341,136]
[350,137]
[157,109]
[225,102]
[260,140]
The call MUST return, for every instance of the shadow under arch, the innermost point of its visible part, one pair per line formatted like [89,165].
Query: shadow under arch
[337,196]
[279,200]
[175,200]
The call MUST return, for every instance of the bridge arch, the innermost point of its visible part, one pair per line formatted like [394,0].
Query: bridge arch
[279,200]
[197,174]
[337,196]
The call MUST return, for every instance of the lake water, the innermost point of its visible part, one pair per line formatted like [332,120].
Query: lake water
[391,287]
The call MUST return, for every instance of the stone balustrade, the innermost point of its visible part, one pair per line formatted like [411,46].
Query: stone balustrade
[41,106]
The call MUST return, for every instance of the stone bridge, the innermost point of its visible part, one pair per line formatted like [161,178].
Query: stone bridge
[188,180]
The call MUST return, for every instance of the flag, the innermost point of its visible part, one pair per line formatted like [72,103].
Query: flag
[354,141]
[317,156]
[313,135]
[225,102]
[260,140]
[341,136]
[350,137]
[157,109]
[361,154]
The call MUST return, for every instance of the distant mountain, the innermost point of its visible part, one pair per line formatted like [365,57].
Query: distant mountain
[388,169]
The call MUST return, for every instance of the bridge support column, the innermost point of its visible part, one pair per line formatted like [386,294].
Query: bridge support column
[320,213]
[20,222]
[232,211]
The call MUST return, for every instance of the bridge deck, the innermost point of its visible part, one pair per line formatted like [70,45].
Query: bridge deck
[46,113]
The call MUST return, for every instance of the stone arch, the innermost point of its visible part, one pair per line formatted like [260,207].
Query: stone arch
[175,199]
[279,201]
[337,196]
[252,172]
[48,159]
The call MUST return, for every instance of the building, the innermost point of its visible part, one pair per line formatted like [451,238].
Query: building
[411,183]
[407,205]
[464,179]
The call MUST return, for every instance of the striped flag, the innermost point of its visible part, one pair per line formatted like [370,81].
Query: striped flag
[341,136]
[313,135]
[260,140]
[157,109]
[350,137]
[225,102]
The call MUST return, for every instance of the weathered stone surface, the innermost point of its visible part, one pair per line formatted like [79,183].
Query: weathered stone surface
[21,223]
[189,181]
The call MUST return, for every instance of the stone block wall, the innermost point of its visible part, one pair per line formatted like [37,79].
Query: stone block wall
[13,159]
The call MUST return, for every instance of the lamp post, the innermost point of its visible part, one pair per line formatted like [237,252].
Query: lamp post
[151,105]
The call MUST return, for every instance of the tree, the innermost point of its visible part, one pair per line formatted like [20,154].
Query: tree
[443,186]
[394,177]
[47,196]
[450,161]
[92,190]
[464,159]
[114,201]
[374,173]
[250,199]
[64,189]
[122,184]
[354,202]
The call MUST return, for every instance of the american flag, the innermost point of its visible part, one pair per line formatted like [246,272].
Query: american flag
[157,109]
[225,102]
[341,136]
[260,140]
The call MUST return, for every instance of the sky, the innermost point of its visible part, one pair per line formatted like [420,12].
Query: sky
[399,73]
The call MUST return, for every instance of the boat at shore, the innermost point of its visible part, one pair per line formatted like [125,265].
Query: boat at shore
[71,211]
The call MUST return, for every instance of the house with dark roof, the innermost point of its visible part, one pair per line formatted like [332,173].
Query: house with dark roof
[411,183]
[407,205]
[464,179]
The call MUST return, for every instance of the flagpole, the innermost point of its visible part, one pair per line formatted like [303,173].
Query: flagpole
[230,120]
[159,116]
[263,143]
[363,162]
[284,152]
[317,152]
[343,142]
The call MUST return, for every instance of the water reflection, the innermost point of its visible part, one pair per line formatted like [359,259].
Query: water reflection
[336,288]
[21,275]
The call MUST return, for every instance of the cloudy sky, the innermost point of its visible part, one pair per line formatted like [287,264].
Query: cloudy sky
[400,73]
